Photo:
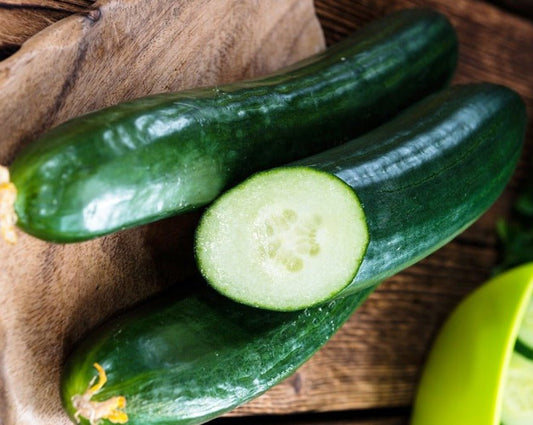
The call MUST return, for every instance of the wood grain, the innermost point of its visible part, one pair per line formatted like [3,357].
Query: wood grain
[521,7]
[21,19]
[387,417]
[375,360]
[51,294]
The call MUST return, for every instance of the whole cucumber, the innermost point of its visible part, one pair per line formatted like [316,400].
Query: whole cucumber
[155,157]
[349,217]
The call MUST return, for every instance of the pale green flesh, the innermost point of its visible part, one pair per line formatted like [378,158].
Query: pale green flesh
[296,234]
[525,334]
[517,403]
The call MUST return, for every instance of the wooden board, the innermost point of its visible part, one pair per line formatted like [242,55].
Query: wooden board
[118,50]
[375,360]
[21,19]
[345,418]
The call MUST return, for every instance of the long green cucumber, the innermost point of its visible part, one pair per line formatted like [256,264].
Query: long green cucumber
[187,359]
[154,157]
[420,179]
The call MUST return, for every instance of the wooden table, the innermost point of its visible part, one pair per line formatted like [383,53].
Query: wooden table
[368,373]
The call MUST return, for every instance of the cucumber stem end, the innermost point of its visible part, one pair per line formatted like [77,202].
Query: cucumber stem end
[110,409]
[8,218]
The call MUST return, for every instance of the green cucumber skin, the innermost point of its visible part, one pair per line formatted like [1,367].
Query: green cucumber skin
[523,349]
[190,360]
[150,158]
[429,173]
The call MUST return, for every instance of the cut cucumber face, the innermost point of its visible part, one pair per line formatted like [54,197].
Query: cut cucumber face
[297,233]
[517,404]
[524,343]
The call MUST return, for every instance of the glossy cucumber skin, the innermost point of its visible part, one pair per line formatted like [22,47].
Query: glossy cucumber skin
[429,173]
[189,360]
[150,158]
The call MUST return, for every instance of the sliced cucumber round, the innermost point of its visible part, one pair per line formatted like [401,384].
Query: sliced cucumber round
[284,239]
[517,403]
[524,343]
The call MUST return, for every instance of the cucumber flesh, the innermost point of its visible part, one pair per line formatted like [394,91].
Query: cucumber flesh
[297,233]
[524,343]
[517,403]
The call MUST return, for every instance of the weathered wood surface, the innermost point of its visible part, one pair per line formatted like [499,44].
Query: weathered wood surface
[20,19]
[51,294]
[375,360]
[345,418]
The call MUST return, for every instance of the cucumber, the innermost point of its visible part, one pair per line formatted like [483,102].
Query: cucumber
[517,400]
[187,358]
[183,360]
[524,341]
[155,157]
[421,179]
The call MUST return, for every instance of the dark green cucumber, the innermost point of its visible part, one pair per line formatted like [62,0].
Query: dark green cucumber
[421,179]
[428,174]
[190,359]
[150,158]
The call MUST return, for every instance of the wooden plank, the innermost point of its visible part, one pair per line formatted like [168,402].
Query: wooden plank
[21,19]
[345,418]
[51,294]
[375,360]
[521,7]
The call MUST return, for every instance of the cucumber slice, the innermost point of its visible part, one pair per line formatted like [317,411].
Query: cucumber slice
[297,233]
[524,343]
[517,403]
